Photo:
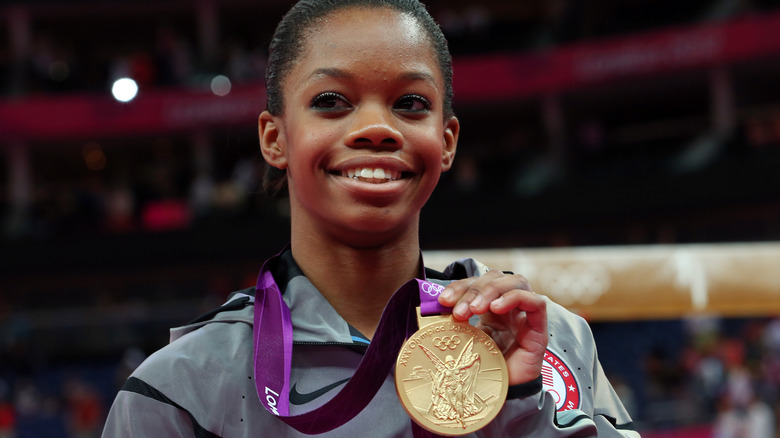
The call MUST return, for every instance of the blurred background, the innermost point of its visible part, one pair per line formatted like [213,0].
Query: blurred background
[130,196]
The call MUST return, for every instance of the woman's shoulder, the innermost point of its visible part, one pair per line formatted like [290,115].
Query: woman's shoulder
[237,308]
[205,372]
[562,316]
[213,342]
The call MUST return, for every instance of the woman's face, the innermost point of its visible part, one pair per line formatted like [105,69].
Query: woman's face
[362,134]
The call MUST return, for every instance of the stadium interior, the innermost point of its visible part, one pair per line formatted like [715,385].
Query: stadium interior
[129,207]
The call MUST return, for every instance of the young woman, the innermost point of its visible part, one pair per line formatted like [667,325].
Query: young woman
[359,127]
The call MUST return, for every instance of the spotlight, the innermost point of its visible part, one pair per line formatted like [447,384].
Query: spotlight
[124,89]
[220,85]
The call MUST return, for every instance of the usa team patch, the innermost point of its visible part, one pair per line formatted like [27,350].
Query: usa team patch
[559,381]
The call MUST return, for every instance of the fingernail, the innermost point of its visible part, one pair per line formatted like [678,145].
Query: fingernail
[461,309]
[477,302]
[447,294]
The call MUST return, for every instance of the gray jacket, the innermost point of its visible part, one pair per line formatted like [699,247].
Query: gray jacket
[201,384]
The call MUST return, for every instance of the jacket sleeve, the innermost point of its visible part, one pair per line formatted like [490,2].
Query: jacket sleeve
[534,414]
[181,390]
[140,411]
[609,413]
[601,413]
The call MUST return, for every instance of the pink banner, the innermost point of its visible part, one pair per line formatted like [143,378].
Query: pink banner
[95,116]
[576,65]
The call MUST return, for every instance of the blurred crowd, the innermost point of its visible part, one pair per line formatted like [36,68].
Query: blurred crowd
[48,401]
[164,192]
[730,379]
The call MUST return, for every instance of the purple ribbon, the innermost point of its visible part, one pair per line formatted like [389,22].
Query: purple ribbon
[429,299]
[273,354]
[271,313]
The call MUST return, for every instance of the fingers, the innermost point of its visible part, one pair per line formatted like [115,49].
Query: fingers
[494,291]
[510,313]
[517,298]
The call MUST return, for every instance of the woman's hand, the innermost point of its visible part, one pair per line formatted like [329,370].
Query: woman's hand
[510,312]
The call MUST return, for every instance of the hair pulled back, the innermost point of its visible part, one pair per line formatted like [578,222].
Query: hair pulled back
[290,37]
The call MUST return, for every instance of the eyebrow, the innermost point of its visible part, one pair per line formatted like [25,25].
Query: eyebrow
[336,73]
[329,73]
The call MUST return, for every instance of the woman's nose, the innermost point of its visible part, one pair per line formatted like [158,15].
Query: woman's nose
[373,126]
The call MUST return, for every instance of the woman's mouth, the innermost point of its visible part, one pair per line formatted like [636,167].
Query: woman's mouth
[376,175]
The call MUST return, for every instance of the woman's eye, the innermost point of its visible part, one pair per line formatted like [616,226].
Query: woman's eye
[413,103]
[330,102]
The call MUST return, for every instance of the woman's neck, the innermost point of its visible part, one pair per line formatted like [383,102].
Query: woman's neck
[358,282]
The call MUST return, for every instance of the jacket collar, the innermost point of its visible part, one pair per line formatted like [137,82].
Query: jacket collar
[314,319]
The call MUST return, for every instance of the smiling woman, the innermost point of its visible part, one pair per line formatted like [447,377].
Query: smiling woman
[362,129]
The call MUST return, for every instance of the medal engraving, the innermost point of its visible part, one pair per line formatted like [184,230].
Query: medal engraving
[451,377]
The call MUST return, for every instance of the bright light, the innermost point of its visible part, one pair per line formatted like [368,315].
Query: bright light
[220,85]
[124,90]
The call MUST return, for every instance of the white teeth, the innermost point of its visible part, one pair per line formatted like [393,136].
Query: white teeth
[368,173]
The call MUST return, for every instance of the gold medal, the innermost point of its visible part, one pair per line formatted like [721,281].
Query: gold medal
[450,376]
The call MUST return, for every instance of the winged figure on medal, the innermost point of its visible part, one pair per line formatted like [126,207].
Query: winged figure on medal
[453,385]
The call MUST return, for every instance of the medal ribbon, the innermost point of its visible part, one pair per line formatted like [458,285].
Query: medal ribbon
[429,299]
[273,354]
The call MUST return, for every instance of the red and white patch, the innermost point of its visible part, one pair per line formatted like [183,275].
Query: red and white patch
[559,381]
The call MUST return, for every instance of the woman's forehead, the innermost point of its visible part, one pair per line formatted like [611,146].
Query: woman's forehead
[375,36]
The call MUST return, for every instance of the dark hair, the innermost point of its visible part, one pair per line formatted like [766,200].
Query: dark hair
[290,37]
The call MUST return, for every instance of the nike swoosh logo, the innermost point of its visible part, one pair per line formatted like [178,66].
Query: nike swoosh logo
[296,398]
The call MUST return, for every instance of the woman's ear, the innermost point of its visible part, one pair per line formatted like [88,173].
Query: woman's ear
[272,141]
[451,132]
